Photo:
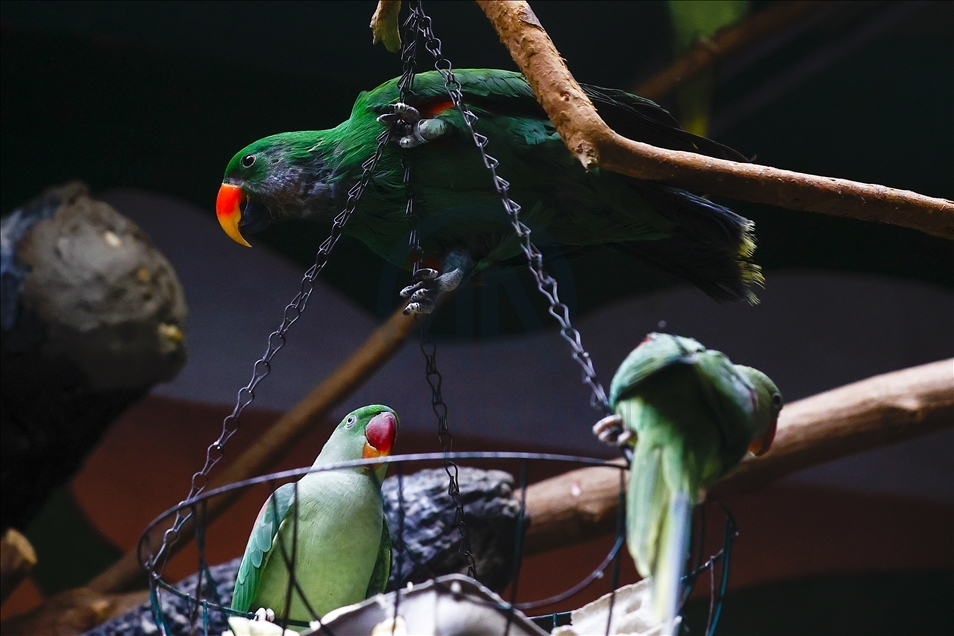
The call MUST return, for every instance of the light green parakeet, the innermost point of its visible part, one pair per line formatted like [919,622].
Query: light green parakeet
[343,551]
[690,416]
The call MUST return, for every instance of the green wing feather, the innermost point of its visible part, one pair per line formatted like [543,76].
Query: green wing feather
[508,93]
[729,395]
[382,567]
[654,354]
[259,547]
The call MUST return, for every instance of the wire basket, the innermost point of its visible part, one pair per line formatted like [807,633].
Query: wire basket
[200,604]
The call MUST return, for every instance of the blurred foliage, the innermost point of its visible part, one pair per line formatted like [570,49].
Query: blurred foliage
[694,21]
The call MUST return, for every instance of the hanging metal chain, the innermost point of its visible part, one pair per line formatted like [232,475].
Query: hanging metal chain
[545,283]
[434,379]
[428,347]
[276,340]
[405,90]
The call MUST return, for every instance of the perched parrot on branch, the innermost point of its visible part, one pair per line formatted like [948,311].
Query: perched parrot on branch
[343,548]
[690,416]
[462,224]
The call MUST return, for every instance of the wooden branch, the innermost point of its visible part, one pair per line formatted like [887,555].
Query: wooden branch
[726,43]
[384,25]
[596,145]
[879,411]
[277,441]
[581,505]
[71,613]
[17,558]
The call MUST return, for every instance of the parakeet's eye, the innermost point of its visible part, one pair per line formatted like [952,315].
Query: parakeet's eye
[350,421]
[248,161]
[777,401]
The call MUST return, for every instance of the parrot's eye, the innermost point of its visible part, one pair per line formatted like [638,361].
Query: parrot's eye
[350,421]
[777,401]
[248,161]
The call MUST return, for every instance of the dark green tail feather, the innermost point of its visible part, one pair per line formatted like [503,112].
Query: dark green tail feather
[711,246]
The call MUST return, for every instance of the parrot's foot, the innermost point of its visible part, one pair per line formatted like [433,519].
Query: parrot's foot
[422,295]
[399,112]
[414,131]
[265,614]
[424,131]
[610,431]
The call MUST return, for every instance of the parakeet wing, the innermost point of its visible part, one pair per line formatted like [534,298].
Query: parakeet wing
[382,567]
[654,354]
[508,93]
[259,547]
[729,395]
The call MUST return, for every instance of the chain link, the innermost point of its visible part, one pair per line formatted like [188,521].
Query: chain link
[546,284]
[428,347]
[263,366]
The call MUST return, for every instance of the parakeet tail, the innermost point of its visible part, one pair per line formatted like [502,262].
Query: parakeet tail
[711,247]
[674,545]
[658,518]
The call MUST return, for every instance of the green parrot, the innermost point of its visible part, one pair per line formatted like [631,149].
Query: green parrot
[462,225]
[343,550]
[690,416]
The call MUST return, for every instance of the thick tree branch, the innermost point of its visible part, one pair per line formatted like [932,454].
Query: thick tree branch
[726,43]
[276,442]
[581,505]
[595,145]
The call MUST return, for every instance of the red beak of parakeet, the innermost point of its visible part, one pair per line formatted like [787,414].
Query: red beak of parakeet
[381,432]
[228,209]
[762,444]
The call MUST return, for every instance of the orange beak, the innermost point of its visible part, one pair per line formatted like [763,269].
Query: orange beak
[762,444]
[381,432]
[228,209]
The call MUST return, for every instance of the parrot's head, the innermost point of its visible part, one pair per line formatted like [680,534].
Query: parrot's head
[769,403]
[365,433]
[275,178]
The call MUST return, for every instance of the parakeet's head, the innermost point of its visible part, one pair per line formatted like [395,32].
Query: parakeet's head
[769,404]
[364,433]
[273,178]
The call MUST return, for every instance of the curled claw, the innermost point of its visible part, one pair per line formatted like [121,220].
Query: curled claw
[426,306]
[410,289]
[422,277]
[423,294]
[426,273]
[429,284]
[418,296]
[399,113]
[610,431]
[424,131]
[406,112]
